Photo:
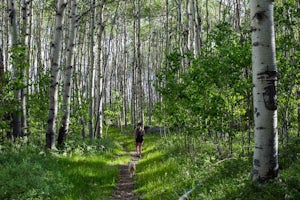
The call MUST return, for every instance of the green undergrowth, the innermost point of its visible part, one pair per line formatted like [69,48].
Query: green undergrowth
[169,169]
[84,169]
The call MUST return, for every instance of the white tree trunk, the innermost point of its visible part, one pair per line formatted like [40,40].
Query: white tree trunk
[99,121]
[92,73]
[14,43]
[139,65]
[1,67]
[68,83]
[26,12]
[265,162]
[53,94]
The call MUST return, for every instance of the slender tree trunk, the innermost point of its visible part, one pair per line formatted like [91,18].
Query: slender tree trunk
[125,66]
[40,64]
[298,98]
[53,94]
[1,68]
[220,11]
[133,89]
[237,15]
[99,123]
[15,43]
[139,64]
[149,64]
[265,161]
[68,83]
[26,42]
[207,19]
[92,72]
[198,34]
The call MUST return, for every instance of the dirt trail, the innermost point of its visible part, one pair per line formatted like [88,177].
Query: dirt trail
[125,185]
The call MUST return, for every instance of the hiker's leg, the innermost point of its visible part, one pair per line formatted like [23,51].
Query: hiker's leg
[137,147]
[140,147]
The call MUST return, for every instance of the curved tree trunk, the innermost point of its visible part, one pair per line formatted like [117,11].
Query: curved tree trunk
[265,161]
[53,94]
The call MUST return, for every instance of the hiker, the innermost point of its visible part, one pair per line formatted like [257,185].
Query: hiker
[139,140]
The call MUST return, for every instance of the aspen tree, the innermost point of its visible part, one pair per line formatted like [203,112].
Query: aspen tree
[99,122]
[1,67]
[68,83]
[125,66]
[265,161]
[92,72]
[15,43]
[26,42]
[139,64]
[150,95]
[134,64]
[198,27]
[53,93]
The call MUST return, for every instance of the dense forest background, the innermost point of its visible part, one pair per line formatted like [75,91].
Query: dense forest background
[70,69]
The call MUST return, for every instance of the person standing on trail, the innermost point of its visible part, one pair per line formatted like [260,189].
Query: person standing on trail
[139,138]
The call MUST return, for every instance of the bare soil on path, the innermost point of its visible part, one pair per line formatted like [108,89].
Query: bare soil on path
[125,184]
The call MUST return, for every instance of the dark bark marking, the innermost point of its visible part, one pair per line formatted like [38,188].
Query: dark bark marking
[260,128]
[256,147]
[256,162]
[257,114]
[269,94]
[260,15]
[269,74]
[255,44]
[270,97]
[253,29]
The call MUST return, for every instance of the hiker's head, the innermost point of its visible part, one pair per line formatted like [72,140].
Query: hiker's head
[140,125]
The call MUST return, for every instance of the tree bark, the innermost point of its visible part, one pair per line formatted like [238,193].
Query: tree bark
[99,121]
[68,83]
[198,28]
[139,64]
[16,72]
[26,42]
[1,67]
[53,94]
[265,161]
[92,72]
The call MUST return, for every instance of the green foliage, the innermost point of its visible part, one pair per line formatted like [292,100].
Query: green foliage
[215,86]
[27,175]
[112,112]
[288,62]
[12,81]
[19,61]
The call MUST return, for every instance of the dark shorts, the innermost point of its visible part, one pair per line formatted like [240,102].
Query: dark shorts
[139,140]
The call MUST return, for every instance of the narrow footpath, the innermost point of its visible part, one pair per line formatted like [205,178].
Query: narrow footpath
[125,185]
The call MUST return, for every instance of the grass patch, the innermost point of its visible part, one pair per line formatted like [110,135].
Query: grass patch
[169,169]
[82,170]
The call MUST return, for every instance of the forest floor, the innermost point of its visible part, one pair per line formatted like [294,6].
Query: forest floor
[125,184]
